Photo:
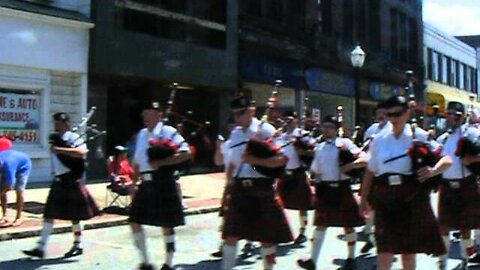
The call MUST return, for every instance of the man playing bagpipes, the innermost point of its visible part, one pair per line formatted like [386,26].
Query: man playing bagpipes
[253,212]
[459,199]
[68,198]
[335,205]
[294,187]
[397,191]
[159,149]
[381,125]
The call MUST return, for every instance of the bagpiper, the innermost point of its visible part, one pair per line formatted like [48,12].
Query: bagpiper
[335,204]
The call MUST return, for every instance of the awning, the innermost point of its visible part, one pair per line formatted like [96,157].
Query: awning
[439,94]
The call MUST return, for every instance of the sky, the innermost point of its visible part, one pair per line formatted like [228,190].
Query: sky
[455,17]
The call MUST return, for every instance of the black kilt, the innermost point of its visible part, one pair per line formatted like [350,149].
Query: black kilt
[336,206]
[459,208]
[157,202]
[225,199]
[255,213]
[295,191]
[404,220]
[69,199]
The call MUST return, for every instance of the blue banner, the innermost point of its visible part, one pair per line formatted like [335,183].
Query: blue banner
[380,91]
[266,70]
[328,82]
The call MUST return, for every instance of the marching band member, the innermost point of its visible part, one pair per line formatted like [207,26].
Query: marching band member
[404,220]
[156,201]
[254,212]
[68,198]
[459,200]
[335,205]
[293,187]
[381,125]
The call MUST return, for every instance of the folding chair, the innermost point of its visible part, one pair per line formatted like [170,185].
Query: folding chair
[117,195]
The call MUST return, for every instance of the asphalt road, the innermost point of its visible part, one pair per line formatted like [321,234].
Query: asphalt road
[112,248]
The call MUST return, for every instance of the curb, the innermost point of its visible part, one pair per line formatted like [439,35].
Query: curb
[110,222]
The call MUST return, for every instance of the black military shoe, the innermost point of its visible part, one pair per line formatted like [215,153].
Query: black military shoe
[217,254]
[165,267]
[300,239]
[247,251]
[349,264]
[366,248]
[306,264]
[36,252]
[74,251]
[475,258]
[146,267]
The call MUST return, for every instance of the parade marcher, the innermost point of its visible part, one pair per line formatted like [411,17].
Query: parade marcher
[156,201]
[459,200]
[68,198]
[293,187]
[404,220]
[335,205]
[381,125]
[15,168]
[254,211]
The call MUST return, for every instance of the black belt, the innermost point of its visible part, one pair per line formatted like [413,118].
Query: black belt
[254,182]
[334,184]
[457,183]
[393,179]
[296,170]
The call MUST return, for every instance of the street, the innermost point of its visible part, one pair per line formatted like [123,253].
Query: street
[112,248]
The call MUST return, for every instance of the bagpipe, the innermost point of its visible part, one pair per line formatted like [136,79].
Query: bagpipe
[303,147]
[467,147]
[264,148]
[345,156]
[163,147]
[77,165]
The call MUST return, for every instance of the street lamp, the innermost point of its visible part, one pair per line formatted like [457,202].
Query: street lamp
[357,58]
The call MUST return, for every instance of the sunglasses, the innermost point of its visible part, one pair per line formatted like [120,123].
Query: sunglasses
[456,114]
[239,112]
[327,126]
[396,114]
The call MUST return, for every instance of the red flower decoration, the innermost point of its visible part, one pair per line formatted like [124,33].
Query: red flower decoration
[163,142]
[418,150]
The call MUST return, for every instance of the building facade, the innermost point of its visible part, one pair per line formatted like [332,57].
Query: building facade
[43,70]
[450,69]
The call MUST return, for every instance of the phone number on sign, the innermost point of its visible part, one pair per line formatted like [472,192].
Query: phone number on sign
[21,135]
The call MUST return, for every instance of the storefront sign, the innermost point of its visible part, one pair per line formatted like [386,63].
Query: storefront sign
[380,91]
[328,82]
[20,115]
[266,70]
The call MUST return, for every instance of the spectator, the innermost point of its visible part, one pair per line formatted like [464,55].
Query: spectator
[120,170]
[15,167]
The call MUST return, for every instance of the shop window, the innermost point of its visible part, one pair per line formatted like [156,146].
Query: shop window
[20,115]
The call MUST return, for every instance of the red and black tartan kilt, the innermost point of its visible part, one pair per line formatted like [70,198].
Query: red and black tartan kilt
[158,203]
[225,199]
[335,205]
[459,208]
[256,213]
[69,199]
[413,231]
[294,190]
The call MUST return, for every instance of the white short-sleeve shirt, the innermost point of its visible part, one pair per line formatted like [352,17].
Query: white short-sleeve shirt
[72,139]
[258,130]
[457,170]
[387,146]
[159,131]
[288,149]
[325,163]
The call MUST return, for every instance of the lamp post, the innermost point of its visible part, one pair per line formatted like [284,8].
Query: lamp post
[357,58]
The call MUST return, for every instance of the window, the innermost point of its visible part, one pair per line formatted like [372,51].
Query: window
[453,73]
[394,35]
[461,76]
[444,72]
[468,78]
[434,66]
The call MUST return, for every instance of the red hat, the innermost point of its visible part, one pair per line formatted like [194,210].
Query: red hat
[5,144]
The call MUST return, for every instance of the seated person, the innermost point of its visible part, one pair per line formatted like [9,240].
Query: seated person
[120,171]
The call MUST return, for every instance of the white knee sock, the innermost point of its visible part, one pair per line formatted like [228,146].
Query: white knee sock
[141,243]
[303,223]
[446,242]
[351,240]
[77,235]
[318,238]
[169,249]
[47,229]
[229,256]
[476,237]
[466,248]
[268,257]
[369,223]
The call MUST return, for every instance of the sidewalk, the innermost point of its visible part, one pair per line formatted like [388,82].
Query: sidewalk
[202,194]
